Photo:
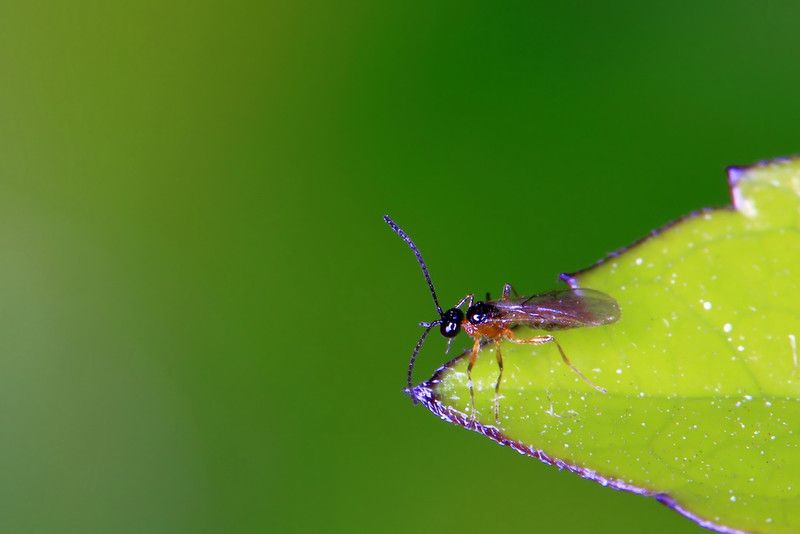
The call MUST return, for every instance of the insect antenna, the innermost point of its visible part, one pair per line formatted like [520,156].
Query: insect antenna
[399,231]
[417,348]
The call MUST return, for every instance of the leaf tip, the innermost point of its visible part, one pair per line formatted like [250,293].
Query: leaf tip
[421,393]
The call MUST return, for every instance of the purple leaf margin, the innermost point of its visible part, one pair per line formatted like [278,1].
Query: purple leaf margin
[424,394]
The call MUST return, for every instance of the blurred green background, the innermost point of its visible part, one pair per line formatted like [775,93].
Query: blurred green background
[204,323]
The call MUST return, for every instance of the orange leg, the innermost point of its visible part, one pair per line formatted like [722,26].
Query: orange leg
[497,384]
[476,346]
[540,340]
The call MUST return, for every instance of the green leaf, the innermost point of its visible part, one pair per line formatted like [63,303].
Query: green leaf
[701,371]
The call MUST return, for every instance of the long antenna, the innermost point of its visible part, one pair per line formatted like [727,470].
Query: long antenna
[417,253]
[413,359]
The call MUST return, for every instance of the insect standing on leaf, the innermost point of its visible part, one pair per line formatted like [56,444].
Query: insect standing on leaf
[495,320]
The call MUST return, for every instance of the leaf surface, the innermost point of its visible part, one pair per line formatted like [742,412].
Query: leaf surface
[702,409]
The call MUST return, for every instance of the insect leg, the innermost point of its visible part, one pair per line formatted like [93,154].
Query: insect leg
[497,384]
[577,372]
[468,298]
[535,340]
[540,340]
[474,356]
[507,290]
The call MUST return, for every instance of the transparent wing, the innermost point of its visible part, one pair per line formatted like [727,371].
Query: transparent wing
[566,308]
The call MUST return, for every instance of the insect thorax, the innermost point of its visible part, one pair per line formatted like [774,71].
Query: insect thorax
[480,313]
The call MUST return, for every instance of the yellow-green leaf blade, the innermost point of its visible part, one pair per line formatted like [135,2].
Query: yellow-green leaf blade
[701,371]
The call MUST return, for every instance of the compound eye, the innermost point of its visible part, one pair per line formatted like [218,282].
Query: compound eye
[451,322]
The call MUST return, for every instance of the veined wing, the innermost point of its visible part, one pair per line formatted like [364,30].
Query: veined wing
[565,308]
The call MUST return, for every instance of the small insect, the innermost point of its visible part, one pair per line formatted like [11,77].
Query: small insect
[495,320]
